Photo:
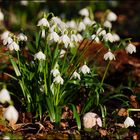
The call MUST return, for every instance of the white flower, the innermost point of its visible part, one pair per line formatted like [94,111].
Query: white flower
[62,53]
[76,75]
[40,56]
[81,26]
[43,34]
[24,2]
[130,48]
[129,122]
[7,40]
[95,38]
[84,12]
[108,37]
[111,16]
[43,22]
[87,21]
[116,37]
[13,46]
[4,35]
[65,39]
[53,37]
[109,55]
[74,38]
[100,32]
[55,72]
[6,138]
[22,37]
[91,119]
[58,80]
[80,38]
[84,69]
[107,24]
[61,25]
[71,24]
[11,114]
[1,16]
[4,96]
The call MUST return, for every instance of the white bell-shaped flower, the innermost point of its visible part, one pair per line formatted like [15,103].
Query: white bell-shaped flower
[76,75]
[109,56]
[84,69]
[4,35]
[13,46]
[129,122]
[107,24]
[62,53]
[130,48]
[65,39]
[22,37]
[7,40]
[24,2]
[108,37]
[116,37]
[84,12]
[58,80]
[53,37]
[81,26]
[4,96]
[91,119]
[11,114]
[80,38]
[95,38]
[43,33]
[100,32]
[55,72]
[74,38]
[87,21]
[57,21]
[40,56]
[71,24]
[1,16]
[111,16]
[43,22]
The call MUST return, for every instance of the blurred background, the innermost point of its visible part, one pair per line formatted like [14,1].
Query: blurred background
[20,15]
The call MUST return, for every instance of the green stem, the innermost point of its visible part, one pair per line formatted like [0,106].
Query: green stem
[19,63]
[107,67]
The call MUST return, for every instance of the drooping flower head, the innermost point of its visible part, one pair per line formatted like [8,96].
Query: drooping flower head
[111,16]
[40,56]
[129,122]
[109,56]
[130,48]
[58,80]
[84,69]
[84,12]
[76,75]
[11,114]
[43,22]
[4,96]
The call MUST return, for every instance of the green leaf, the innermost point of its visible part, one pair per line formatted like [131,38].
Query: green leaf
[76,116]
[15,67]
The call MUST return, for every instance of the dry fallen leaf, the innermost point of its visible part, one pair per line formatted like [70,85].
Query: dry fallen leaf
[120,125]
[103,132]
[122,112]
[133,101]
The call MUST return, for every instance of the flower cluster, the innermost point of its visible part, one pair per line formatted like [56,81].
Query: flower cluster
[10,113]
